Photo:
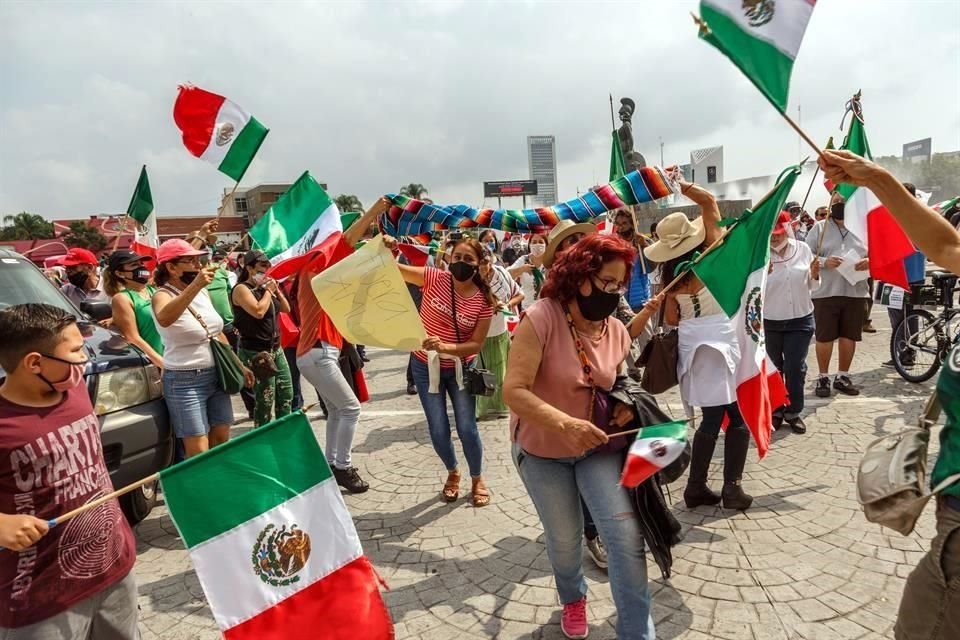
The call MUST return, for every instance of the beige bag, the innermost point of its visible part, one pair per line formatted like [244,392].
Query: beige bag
[892,479]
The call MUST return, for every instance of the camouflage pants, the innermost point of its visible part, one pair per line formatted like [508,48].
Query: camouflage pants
[276,392]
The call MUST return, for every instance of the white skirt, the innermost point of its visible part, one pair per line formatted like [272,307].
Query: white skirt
[708,353]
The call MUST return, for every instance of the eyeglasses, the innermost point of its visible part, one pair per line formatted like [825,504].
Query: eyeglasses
[609,285]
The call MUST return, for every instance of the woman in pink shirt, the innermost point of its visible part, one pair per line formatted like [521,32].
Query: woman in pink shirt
[564,359]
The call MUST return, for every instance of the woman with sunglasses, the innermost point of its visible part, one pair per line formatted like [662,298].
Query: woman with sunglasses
[201,413]
[126,280]
[456,310]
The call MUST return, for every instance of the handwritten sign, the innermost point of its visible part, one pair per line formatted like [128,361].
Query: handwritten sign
[367,300]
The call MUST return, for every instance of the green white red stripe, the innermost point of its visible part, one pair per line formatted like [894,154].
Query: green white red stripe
[655,447]
[762,38]
[887,244]
[274,547]
[217,130]
[736,275]
[145,238]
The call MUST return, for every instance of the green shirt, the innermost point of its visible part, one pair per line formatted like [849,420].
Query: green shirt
[948,389]
[144,317]
[219,290]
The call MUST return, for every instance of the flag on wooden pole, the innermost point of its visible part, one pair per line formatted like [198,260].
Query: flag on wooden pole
[145,238]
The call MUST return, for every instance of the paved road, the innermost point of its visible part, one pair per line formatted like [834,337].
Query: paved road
[802,563]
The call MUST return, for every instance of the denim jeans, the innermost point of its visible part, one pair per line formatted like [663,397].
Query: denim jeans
[788,342]
[435,408]
[556,487]
[321,368]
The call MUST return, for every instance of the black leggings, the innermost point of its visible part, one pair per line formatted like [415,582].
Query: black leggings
[713,418]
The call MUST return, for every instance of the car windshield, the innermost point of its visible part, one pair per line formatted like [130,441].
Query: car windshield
[21,282]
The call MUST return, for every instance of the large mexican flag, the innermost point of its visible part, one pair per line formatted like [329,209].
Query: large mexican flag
[145,238]
[271,539]
[887,244]
[217,130]
[736,275]
[762,38]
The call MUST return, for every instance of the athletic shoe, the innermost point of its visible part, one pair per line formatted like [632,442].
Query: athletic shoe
[350,480]
[823,387]
[573,624]
[597,551]
[844,386]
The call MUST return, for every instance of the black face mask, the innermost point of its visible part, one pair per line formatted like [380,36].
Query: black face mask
[626,235]
[140,276]
[78,279]
[598,305]
[462,271]
[836,210]
[188,276]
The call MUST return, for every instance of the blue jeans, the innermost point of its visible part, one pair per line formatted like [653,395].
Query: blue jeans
[788,342]
[291,355]
[435,408]
[556,486]
[321,368]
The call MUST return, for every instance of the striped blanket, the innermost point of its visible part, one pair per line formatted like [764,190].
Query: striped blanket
[415,218]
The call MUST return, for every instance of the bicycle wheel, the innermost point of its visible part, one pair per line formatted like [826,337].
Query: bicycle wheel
[915,346]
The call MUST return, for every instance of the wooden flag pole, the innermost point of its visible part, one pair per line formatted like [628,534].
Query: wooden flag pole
[802,134]
[121,228]
[632,431]
[229,196]
[99,501]
[816,172]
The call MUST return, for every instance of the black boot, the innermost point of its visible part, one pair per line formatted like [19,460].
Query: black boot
[350,480]
[736,444]
[697,492]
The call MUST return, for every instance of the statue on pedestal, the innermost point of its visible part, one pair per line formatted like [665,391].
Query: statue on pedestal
[632,160]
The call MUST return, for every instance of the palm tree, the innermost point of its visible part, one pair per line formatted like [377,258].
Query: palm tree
[414,190]
[26,226]
[348,202]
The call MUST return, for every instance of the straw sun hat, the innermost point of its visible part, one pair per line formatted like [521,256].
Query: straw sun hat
[677,235]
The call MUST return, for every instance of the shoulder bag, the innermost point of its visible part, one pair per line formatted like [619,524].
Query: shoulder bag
[659,359]
[892,478]
[230,376]
[476,381]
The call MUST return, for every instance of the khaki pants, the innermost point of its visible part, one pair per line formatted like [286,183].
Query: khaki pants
[930,608]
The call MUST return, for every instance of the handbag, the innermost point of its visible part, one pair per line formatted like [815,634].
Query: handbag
[230,376]
[891,480]
[600,406]
[659,360]
[476,381]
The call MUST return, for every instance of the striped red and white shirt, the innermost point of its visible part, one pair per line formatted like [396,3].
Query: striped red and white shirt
[436,311]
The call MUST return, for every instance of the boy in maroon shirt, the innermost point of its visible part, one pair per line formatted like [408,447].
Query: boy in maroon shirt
[73,580]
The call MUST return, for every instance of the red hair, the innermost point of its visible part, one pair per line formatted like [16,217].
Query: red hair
[584,260]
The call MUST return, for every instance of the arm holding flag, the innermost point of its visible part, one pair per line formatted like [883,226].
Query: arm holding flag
[930,232]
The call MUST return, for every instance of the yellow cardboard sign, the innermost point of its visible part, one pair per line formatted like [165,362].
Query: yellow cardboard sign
[368,301]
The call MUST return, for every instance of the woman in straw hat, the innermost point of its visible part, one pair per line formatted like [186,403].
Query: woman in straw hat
[707,352]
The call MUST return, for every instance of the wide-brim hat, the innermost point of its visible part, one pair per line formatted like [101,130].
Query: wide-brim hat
[563,230]
[676,235]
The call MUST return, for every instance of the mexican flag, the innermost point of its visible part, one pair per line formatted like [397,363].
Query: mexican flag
[616,159]
[275,550]
[946,205]
[865,217]
[416,254]
[303,218]
[655,447]
[736,275]
[217,130]
[761,37]
[145,238]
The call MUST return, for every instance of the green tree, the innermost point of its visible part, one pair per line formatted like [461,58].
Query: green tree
[347,202]
[26,226]
[940,176]
[414,190]
[81,234]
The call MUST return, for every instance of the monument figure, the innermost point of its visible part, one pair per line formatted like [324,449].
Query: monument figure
[632,160]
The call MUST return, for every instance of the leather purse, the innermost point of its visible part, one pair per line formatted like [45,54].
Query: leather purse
[659,360]
[476,380]
[892,478]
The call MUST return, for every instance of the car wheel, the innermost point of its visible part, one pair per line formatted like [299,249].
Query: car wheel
[138,504]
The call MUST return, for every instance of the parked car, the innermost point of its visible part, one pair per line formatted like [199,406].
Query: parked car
[124,387]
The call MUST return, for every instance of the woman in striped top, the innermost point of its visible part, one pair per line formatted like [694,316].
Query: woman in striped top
[461,287]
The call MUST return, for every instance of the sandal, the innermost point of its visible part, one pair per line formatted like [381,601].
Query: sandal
[451,488]
[480,495]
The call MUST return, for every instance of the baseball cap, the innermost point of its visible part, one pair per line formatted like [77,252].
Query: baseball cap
[254,256]
[177,248]
[119,258]
[77,256]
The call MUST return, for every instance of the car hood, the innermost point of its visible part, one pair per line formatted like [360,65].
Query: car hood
[107,349]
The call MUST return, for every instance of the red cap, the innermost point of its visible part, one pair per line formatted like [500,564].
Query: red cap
[77,256]
[784,221]
[176,248]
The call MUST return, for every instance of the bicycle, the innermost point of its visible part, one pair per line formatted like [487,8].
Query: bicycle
[921,341]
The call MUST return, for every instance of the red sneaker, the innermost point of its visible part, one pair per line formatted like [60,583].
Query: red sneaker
[574,620]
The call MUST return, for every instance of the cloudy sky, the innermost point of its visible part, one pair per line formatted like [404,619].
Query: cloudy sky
[370,96]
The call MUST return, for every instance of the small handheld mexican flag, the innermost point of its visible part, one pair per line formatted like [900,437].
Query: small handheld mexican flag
[145,238]
[762,38]
[655,447]
[217,130]
[274,548]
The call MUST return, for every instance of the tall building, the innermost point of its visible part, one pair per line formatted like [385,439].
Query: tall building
[707,165]
[542,159]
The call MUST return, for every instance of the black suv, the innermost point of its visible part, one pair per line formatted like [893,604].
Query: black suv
[124,387]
